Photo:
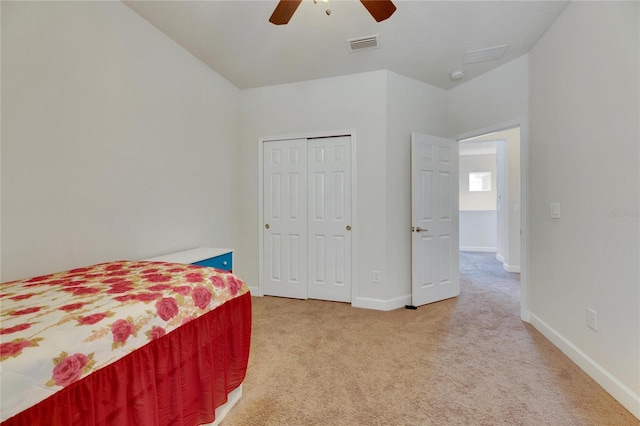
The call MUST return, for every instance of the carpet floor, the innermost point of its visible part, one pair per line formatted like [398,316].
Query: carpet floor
[463,361]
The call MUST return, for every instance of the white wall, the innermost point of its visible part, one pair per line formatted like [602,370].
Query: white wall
[497,97]
[116,142]
[584,153]
[478,230]
[502,217]
[513,201]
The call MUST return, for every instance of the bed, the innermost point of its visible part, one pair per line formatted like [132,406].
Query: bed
[123,343]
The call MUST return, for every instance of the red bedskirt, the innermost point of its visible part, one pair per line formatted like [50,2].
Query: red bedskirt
[178,379]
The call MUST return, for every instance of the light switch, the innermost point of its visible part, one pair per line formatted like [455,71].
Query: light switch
[555,210]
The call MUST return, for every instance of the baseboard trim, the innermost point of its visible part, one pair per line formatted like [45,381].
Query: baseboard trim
[482,249]
[364,302]
[500,258]
[625,396]
[511,268]
[381,304]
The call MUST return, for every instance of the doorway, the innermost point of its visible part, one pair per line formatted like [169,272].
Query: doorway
[490,195]
[492,191]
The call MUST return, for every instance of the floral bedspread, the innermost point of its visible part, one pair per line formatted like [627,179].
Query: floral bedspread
[58,328]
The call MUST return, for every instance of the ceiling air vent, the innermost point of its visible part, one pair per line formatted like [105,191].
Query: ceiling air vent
[363,43]
[481,55]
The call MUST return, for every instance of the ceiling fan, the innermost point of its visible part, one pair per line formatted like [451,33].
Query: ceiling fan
[379,9]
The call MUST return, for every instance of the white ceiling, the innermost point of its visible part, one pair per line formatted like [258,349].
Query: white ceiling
[424,40]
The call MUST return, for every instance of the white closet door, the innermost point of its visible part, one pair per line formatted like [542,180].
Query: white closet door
[329,236]
[306,250]
[285,218]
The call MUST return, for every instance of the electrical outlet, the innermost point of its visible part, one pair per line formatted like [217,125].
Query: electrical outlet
[555,210]
[377,277]
[592,319]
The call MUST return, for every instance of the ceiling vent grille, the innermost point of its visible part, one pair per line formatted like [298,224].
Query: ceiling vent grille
[481,55]
[363,43]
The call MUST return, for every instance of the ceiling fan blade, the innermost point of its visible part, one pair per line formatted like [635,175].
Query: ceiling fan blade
[284,11]
[379,9]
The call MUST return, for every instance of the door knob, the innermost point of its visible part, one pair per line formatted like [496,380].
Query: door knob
[348,227]
[266,226]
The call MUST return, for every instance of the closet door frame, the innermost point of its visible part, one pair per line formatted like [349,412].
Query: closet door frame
[354,226]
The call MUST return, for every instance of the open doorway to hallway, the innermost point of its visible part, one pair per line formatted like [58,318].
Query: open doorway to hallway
[489,200]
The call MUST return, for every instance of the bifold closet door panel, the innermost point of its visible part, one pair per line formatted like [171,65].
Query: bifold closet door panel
[329,236]
[285,218]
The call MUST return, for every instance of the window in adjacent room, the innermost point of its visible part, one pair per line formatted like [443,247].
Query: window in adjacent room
[479,181]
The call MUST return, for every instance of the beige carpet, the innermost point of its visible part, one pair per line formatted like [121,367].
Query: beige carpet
[465,361]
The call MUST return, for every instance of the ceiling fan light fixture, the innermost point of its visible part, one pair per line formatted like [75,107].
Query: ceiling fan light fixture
[378,9]
[327,10]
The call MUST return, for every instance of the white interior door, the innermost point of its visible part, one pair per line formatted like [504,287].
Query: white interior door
[306,248]
[434,219]
[285,218]
[329,192]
